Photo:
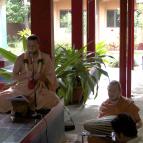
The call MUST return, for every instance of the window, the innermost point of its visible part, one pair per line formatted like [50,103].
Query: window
[65,18]
[113,18]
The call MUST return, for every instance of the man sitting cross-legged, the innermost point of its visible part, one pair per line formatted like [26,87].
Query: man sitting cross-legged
[115,105]
[35,77]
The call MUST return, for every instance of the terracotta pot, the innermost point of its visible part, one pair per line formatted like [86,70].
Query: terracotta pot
[77,95]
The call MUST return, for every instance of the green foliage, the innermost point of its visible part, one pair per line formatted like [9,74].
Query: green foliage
[24,34]
[114,64]
[101,48]
[16,11]
[139,16]
[72,70]
[11,57]
[6,74]
[8,55]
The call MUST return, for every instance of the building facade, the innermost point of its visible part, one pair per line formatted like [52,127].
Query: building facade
[107,22]
[107,19]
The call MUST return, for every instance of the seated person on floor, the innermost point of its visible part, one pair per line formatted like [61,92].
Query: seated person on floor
[125,130]
[118,104]
[113,106]
[34,75]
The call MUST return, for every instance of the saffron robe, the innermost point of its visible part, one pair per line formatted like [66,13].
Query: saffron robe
[124,105]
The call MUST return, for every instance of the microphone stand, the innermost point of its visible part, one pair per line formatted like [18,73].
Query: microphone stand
[35,115]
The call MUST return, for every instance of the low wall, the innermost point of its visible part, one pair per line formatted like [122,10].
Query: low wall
[50,129]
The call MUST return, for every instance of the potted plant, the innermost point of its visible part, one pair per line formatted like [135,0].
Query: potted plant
[73,73]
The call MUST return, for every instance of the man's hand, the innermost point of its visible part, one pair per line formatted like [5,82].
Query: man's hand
[29,75]
[23,76]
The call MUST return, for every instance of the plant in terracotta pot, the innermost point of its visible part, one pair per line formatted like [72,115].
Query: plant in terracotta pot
[73,73]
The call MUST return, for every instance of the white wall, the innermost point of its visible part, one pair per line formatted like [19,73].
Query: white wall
[60,33]
[105,33]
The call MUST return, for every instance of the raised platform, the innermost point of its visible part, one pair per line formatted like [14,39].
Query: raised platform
[50,129]
[13,132]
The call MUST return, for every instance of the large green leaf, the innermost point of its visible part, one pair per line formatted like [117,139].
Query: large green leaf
[101,48]
[5,74]
[8,55]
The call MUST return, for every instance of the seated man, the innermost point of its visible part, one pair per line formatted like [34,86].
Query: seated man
[115,105]
[35,77]
[118,104]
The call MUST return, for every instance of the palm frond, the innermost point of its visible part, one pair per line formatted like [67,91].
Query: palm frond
[8,55]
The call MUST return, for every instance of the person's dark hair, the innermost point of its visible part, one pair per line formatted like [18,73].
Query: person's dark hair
[33,37]
[124,124]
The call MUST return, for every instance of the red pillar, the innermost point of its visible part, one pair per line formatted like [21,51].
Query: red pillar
[77,24]
[123,44]
[132,5]
[130,51]
[42,23]
[91,25]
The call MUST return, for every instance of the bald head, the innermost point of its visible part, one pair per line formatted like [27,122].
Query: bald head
[114,90]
